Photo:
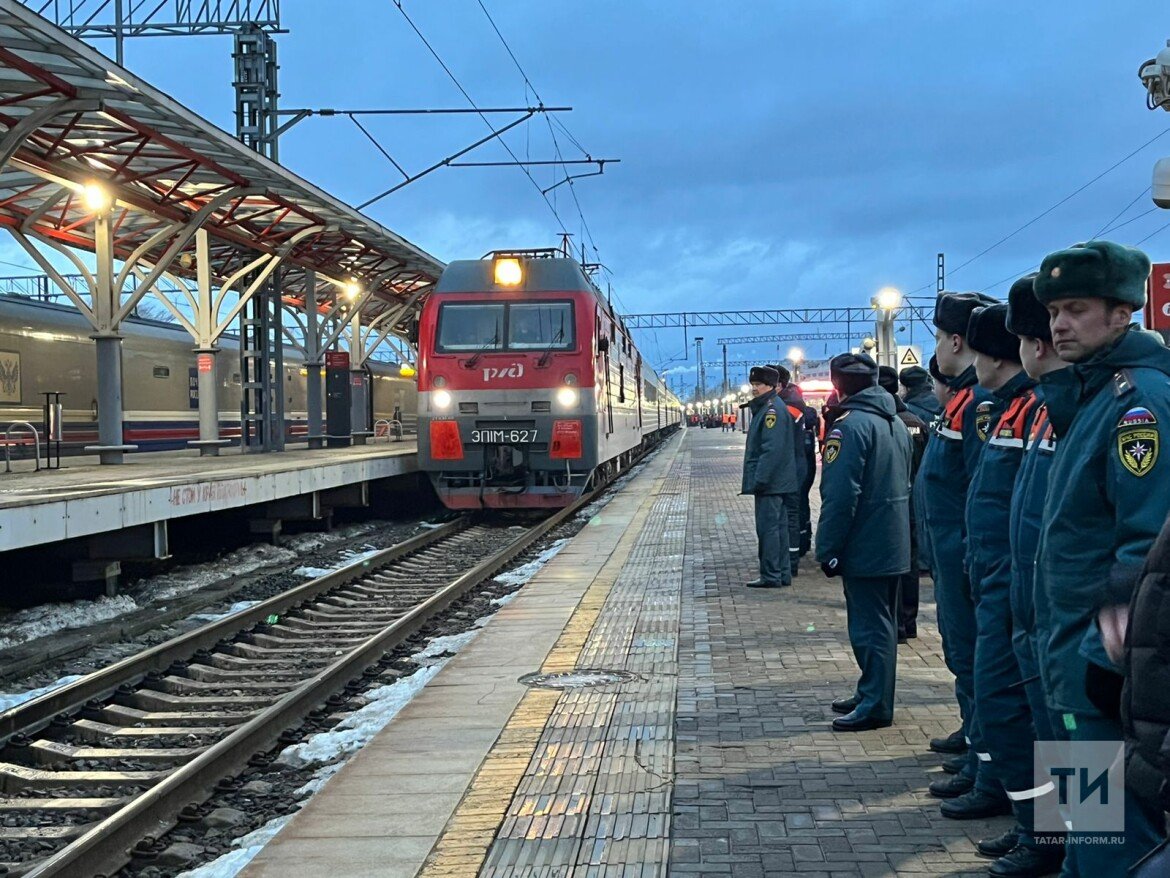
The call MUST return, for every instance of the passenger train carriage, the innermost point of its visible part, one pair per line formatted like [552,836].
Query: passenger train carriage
[47,347]
[530,387]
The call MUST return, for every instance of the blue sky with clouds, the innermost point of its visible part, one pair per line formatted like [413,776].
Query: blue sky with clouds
[774,154]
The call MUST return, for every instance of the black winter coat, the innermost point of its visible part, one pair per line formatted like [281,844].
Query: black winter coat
[1145,699]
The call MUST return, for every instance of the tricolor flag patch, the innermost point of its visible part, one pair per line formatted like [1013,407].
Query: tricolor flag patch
[1137,416]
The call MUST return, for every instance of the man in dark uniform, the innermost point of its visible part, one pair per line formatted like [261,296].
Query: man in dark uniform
[1004,734]
[769,473]
[794,507]
[919,394]
[947,470]
[907,605]
[1028,319]
[863,534]
[1107,500]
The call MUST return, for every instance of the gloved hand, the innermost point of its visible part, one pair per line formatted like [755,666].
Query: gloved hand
[831,568]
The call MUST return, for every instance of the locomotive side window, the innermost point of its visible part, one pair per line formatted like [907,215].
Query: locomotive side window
[540,326]
[478,327]
[162,372]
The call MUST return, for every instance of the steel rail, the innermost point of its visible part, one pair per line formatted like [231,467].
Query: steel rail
[34,715]
[106,847]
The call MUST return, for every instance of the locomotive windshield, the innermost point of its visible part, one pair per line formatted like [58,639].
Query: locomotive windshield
[540,326]
[516,326]
[478,327]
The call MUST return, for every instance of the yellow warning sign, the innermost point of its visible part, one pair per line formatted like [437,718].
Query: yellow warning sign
[911,357]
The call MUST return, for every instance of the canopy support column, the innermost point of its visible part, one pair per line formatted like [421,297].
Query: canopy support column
[314,392]
[111,445]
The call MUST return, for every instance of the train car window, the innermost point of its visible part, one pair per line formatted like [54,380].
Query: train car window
[540,326]
[162,372]
[621,383]
[470,327]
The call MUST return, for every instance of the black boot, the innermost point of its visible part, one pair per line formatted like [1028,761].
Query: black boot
[955,742]
[999,846]
[951,787]
[975,805]
[955,764]
[1028,862]
[846,705]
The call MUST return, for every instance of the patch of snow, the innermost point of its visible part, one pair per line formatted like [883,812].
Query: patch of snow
[504,600]
[320,778]
[312,572]
[432,525]
[36,622]
[215,617]
[523,573]
[359,727]
[242,561]
[247,846]
[11,700]
[345,559]
[438,649]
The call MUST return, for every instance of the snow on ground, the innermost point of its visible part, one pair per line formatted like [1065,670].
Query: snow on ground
[344,560]
[523,573]
[215,617]
[168,586]
[11,700]
[232,863]
[36,622]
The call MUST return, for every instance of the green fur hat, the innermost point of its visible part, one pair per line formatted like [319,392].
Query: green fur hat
[1098,270]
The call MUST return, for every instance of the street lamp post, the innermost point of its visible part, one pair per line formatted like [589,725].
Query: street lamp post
[887,301]
[796,357]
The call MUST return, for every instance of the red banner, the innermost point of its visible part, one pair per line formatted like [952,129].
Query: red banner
[337,359]
[1158,308]
[206,363]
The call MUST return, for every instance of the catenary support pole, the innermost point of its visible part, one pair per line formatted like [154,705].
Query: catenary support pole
[313,361]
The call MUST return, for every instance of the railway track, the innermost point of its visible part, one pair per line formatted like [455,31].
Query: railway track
[94,769]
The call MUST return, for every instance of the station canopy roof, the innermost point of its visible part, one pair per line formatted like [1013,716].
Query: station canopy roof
[88,120]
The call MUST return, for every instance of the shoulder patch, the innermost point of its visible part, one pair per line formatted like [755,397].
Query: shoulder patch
[770,419]
[1122,383]
[832,448]
[1136,416]
[1137,449]
[983,419]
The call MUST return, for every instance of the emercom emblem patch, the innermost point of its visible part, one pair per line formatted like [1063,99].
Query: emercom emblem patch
[832,449]
[770,420]
[1137,449]
[983,420]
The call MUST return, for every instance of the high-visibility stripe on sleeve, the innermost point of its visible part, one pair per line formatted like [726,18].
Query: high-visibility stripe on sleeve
[1034,793]
[948,433]
[983,757]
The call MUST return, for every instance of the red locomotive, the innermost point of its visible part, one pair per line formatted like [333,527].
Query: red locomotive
[530,388]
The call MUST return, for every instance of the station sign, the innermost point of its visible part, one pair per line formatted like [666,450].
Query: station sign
[337,359]
[1158,300]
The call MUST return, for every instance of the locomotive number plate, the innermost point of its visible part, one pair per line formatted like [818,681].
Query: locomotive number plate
[495,437]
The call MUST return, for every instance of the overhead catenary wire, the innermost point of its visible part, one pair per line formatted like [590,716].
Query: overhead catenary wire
[587,233]
[459,85]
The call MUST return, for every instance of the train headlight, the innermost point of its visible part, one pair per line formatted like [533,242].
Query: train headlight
[439,381]
[508,272]
[567,397]
[441,399]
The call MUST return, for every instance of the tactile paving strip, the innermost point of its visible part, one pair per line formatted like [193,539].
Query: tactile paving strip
[595,796]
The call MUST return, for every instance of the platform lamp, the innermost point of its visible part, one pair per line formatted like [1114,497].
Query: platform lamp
[796,357]
[887,301]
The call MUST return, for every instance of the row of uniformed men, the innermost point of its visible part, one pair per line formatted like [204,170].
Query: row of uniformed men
[1041,494]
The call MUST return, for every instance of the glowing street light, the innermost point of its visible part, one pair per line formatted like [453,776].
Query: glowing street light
[352,290]
[796,355]
[745,388]
[888,299]
[96,198]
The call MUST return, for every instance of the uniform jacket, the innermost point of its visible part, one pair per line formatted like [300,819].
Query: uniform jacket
[918,431]
[769,460]
[1106,501]
[923,403]
[1145,700]
[865,488]
[949,463]
[793,401]
[989,497]
[1026,513]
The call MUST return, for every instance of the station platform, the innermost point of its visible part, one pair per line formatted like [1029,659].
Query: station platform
[84,498]
[708,752]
